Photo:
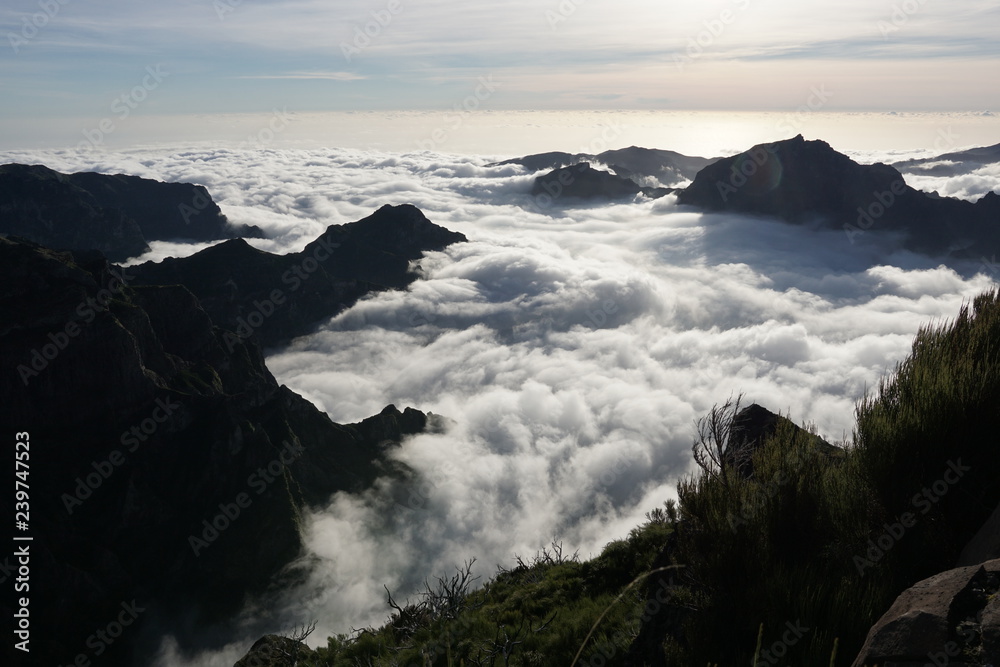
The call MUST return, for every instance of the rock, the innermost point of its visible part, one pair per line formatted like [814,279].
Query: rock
[940,621]
[275,651]
[646,166]
[278,297]
[985,545]
[116,215]
[751,428]
[168,467]
[581,181]
[807,182]
[44,206]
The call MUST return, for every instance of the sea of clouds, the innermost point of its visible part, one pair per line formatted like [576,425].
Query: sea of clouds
[572,348]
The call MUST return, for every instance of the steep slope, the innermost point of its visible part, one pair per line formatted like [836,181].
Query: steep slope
[117,214]
[168,469]
[278,297]
[807,182]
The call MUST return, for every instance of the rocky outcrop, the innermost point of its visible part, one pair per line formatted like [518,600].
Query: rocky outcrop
[807,182]
[951,618]
[275,651]
[278,297]
[117,215]
[169,470]
[647,167]
[581,181]
[751,428]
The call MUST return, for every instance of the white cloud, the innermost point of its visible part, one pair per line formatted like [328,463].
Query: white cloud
[574,349]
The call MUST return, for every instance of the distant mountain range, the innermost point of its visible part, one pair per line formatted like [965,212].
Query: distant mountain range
[797,181]
[951,164]
[646,167]
[117,215]
[807,182]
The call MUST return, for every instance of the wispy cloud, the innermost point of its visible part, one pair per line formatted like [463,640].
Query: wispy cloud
[329,76]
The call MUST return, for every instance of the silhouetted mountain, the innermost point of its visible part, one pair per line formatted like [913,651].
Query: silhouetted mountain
[807,182]
[278,297]
[168,467]
[648,167]
[117,214]
[581,181]
[961,162]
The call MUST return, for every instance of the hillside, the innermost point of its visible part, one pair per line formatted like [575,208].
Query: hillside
[796,555]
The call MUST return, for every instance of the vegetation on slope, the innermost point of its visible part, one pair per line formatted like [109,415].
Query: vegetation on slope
[797,558]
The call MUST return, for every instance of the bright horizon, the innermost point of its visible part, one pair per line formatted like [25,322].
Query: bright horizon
[67,66]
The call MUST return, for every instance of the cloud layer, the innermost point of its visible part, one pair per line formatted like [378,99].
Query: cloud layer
[572,350]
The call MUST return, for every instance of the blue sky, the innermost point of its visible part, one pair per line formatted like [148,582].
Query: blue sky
[71,58]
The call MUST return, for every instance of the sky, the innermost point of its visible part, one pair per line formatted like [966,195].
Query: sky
[68,58]
[573,348]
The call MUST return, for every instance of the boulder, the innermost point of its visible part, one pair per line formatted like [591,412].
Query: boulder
[951,618]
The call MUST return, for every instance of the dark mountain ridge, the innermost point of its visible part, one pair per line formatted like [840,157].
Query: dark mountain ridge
[164,452]
[807,182]
[278,297]
[116,214]
[647,167]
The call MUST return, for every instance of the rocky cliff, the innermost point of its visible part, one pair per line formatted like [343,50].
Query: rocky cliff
[278,297]
[169,469]
[807,182]
[116,214]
